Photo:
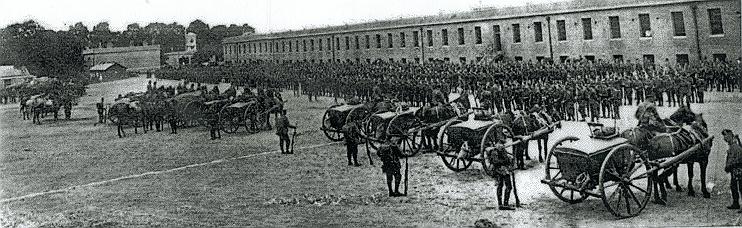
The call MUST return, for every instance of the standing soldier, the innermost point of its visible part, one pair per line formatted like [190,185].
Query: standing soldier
[214,129]
[701,84]
[389,155]
[172,116]
[351,142]
[734,166]
[101,111]
[282,130]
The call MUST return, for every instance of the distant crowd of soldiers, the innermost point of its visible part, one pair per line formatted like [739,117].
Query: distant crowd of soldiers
[573,90]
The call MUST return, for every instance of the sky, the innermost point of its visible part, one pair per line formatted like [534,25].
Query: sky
[263,15]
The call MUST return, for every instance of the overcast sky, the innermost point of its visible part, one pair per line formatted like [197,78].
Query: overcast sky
[264,15]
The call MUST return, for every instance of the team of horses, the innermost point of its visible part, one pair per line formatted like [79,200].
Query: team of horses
[684,130]
[38,107]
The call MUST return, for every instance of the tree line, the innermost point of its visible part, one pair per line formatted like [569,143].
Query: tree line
[59,53]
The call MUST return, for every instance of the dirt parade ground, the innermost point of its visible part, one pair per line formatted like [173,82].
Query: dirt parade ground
[78,173]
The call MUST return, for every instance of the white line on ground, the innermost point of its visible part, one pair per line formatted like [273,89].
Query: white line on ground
[2,201]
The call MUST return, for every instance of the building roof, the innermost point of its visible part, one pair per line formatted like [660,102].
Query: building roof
[180,53]
[480,14]
[104,66]
[121,49]
[13,71]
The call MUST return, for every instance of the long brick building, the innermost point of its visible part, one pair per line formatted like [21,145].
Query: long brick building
[678,31]
[135,58]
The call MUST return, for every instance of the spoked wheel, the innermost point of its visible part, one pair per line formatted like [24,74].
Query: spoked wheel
[448,154]
[554,173]
[409,143]
[496,135]
[625,184]
[331,132]
[373,127]
[228,120]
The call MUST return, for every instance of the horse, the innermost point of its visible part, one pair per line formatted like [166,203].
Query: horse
[692,122]
[434,114]
[40,107]
[543,119]
[25,110]
[660,145]
[127,113]
[523,125]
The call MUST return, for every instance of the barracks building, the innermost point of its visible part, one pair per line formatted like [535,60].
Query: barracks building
[677,31]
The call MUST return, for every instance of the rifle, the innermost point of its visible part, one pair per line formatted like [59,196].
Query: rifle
[406,176]
[293,140]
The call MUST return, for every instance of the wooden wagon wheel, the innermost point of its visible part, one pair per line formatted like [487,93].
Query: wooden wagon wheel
[409,143]
[554,172]
[448,154]
[625,185]
[250,118]
[372,127]
[496,135]
[229,120]
[327,128]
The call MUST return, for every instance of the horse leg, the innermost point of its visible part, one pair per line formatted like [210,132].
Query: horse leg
[675,181]
[704,190]
[691,190]
[519,154]
[540,159]
[525,149]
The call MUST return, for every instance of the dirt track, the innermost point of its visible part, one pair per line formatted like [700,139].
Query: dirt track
[311,188]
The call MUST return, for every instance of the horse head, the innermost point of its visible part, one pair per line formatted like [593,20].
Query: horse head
[683,115]
[637,136]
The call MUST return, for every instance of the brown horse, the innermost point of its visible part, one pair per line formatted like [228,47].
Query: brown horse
[127,113]
[40,106]
[662,145]
[431,115]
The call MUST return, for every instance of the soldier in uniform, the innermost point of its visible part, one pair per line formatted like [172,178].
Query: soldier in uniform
[351,142]
[101,111]
[172,116]
[282,130]
[701,88]
[389,155]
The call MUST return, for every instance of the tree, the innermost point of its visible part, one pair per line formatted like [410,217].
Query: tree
[81,32]
[101,35]
[198,27]
[59,56]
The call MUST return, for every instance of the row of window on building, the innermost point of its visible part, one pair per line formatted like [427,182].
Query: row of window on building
[681,59]
[321,44]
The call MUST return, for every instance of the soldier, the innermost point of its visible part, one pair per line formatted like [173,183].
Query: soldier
[648,117]
[351,142]
[215,129]
[389,155]
[172,116]
[282,130]
[701,88]
[734,166]
[101,111]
